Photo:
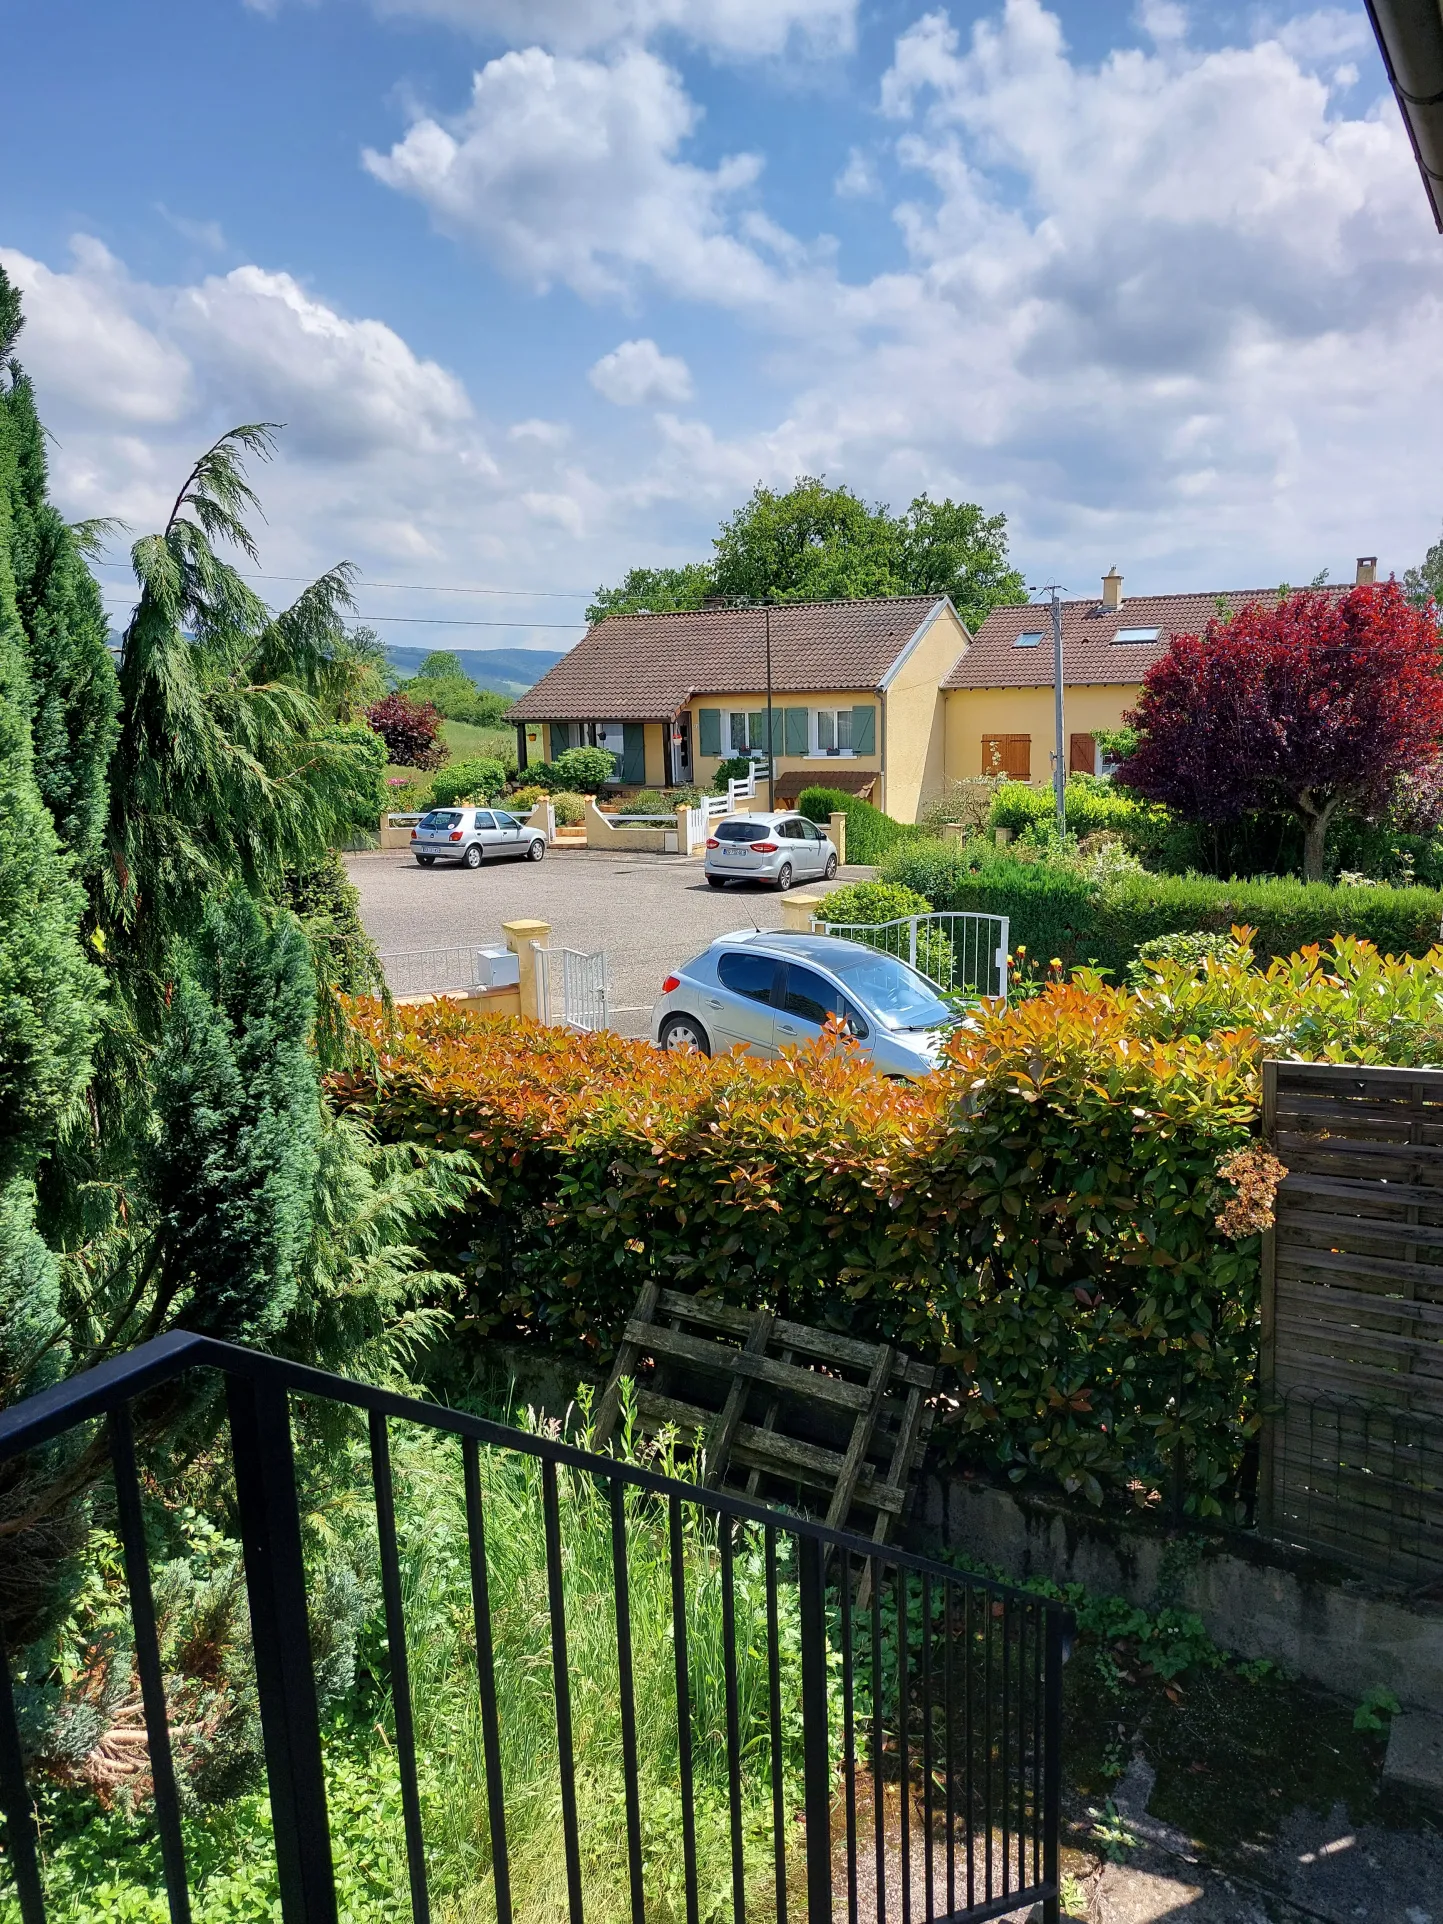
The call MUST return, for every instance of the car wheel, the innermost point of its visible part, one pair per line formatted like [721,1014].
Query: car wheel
[830,870]
[536,850]
[683,1032]
[424,861]
[716,881]
[784,876]
[472,857]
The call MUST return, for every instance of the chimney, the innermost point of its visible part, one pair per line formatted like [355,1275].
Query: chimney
[1367,571]
[1112,589]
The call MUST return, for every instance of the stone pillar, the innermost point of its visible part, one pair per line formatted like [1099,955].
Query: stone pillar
[837,829]
[519,938]
[1002,836]
[798,908]
[683,831]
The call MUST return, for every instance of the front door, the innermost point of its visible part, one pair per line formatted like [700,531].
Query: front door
[681,747]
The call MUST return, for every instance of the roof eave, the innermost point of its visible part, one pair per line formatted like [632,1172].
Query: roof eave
[1410,39]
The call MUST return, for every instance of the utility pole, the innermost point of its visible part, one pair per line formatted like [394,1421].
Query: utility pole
[1059,765]
[771,739]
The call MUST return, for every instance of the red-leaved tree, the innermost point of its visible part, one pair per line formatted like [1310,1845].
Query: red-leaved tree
[1316,701]
[410,730]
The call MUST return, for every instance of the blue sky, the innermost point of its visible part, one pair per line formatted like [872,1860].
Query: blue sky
[543,287]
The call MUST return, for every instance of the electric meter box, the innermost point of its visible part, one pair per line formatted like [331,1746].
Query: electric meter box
[497,968]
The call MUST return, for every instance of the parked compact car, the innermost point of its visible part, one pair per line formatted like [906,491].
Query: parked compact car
[780,848]
[764,992]
[472,836]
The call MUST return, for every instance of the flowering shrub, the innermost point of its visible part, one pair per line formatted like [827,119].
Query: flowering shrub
[410,730]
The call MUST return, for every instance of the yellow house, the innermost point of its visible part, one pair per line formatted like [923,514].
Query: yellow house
[856,696]
[999,694]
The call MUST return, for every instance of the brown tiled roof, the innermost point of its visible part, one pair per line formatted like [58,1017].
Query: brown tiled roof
[1089,653]
[647,667]
[850,781]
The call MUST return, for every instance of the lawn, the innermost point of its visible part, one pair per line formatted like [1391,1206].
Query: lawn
[468,743]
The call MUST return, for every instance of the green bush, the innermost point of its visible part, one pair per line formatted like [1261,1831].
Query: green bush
[1092,805]
[734,769]
[1056,909]
[584,770]
[649,801]
[870,833]
[569,809]
[868,903]
[457,698]
[480,781]
[1190,951]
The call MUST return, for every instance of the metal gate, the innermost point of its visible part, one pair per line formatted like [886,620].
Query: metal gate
[962,953]
[572,987]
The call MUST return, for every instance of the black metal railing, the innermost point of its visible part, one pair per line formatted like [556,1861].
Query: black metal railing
[921,1706]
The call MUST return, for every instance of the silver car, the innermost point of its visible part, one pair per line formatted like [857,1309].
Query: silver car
[780,848]
[762,993]
[472,836]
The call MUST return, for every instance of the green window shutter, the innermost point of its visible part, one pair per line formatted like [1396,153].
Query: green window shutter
[560,738]
[796,730]
[708,731]
[864,731]
[757,730]
[633,752]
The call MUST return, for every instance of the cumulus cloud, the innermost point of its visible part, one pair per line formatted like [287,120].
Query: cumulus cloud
[568,170]
[638,374]
[748,29]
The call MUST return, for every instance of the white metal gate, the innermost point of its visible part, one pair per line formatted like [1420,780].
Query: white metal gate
[572,987]
[434,971]
[962,953]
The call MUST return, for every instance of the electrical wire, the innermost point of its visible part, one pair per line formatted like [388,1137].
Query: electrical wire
[421,621]
[415,587]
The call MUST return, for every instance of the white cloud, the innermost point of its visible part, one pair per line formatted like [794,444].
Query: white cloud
[567,170]
[858,179]
[638,374]
[202,233]
[748,29]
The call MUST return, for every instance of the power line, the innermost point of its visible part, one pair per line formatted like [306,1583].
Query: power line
[422,621]
[415,587]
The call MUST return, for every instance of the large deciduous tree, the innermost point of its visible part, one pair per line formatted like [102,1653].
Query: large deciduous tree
[1314,703]
[819,543]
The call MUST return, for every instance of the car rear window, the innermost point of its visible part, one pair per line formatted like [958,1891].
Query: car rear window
[745,973]
[441,818]
[743,831]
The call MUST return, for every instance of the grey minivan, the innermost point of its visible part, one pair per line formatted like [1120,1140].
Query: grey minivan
[472,836]
[781,848]
[763,992]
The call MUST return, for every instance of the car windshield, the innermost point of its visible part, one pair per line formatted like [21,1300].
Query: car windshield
[441,818]
[898,996]
[743,831]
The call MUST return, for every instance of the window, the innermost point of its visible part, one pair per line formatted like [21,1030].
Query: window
[1029,640]
[811,998]
[1009,755]
[807,831]
[441,818]
[743,831]
[1136,634]
[834,731]
[504,820]
[747,731]
[747,974]
[792,831]
[485,819]
[894,991]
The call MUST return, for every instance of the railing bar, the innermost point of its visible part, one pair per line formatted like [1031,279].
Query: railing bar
[904,1761]
[849,1736]
[1038,1664]
[630,1766]
[949,1725]
[1006,1759]
[20,1828]
[987,1743]
[816,1763]
[970,1655]
[927,1812]
[1052,1768]
[147,1662]
[879,1789]
[734,1735]
[774,1714]
[1023,1619]
[683,1710]
[486,1680]
[400,1666]
[562,1682]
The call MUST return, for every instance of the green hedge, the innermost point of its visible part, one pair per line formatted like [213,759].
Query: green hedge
[871,835]
[1091,805]
[1057,911]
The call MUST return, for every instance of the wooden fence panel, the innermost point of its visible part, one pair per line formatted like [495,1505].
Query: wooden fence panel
[1352,1316]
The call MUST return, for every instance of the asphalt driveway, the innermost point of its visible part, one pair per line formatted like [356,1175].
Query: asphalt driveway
[647,912]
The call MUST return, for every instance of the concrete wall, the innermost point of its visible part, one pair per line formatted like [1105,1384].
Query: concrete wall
[915,710]
[603,832]
[1257,1599]
[506,1001]
[973,713]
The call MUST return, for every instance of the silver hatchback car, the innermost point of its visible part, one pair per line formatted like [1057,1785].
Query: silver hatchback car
[761,993]
[472,836]
[779,848]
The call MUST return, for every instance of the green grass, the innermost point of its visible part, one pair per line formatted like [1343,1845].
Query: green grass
[468,743]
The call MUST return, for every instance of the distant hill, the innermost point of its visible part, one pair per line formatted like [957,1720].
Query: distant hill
[510,671]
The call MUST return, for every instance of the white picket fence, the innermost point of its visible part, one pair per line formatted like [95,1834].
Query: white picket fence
[572,988]
[712,808]
[962,953]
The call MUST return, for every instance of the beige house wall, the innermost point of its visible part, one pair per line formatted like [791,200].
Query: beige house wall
[817,769]
[655,766]
[973,713]
[915,711]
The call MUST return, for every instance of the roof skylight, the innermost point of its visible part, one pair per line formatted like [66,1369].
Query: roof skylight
[1136,634]
[1028,641]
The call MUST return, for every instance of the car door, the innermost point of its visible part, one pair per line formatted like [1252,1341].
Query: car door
[740,1012]
[810,846]
[509,839]
[804,1001]
[487,834]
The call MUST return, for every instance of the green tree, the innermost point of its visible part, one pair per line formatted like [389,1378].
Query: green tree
[655,591]
[1427,578]
[442,665]
[952,548]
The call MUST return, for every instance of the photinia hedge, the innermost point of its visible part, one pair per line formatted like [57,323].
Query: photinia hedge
[1040,1216]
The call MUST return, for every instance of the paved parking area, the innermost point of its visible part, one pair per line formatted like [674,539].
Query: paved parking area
[647,912]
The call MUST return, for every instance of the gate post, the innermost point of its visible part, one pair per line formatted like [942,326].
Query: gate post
[798,910]
[519,937]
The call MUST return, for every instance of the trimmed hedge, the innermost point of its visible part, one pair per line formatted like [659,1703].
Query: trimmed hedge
[478,781]
[1090,805]
[1057,911]
[871,835]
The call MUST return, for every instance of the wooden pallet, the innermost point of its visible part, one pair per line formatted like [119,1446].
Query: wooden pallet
[781,1412]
